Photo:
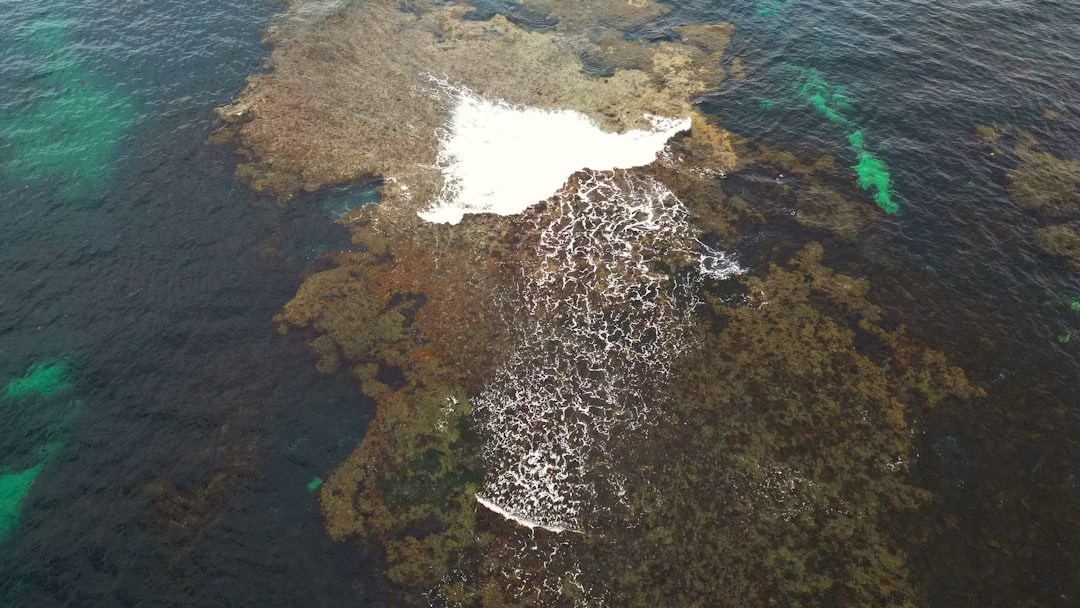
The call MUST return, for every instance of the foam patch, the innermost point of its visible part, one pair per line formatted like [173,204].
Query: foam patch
[501,159]
[605,321]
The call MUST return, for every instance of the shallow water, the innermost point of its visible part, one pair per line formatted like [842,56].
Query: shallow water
[181,453]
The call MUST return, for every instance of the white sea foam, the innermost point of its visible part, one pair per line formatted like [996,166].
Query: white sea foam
[499,158]
[604,322]
[521,521]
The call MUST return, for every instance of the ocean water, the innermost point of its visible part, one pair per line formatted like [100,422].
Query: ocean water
[160,439]
[172,459]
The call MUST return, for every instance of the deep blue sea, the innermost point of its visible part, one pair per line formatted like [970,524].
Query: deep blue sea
[191,430]
[173,469]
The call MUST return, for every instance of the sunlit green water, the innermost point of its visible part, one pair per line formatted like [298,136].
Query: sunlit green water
[66,130]
[44,382]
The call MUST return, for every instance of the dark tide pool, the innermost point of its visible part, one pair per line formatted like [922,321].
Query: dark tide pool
[171,463]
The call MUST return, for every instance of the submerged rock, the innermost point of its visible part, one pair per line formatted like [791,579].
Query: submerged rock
[1060,240]
[1043,183]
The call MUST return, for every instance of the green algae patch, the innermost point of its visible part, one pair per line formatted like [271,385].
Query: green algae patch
[831,102]
[314,484]
[71,135]
[44,379]
[67,135]
[874,175]
[13,489]
[294,445]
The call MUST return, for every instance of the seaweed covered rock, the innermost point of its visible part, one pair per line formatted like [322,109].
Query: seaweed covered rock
[622,14]
[575,405]
[782,454]
[1037,180]
[1060,240]
[1043,182]
[347,100]
[411,312]
[780,450]
[814,192]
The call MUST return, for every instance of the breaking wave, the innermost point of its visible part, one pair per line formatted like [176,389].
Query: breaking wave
[500,158]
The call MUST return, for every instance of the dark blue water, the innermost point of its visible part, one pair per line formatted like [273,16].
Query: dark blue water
[182,479]
[142,264]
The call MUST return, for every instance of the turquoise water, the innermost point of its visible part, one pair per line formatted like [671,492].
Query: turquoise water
[169,461]
[68,128]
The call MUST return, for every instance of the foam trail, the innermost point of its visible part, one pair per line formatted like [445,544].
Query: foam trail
[604,323]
